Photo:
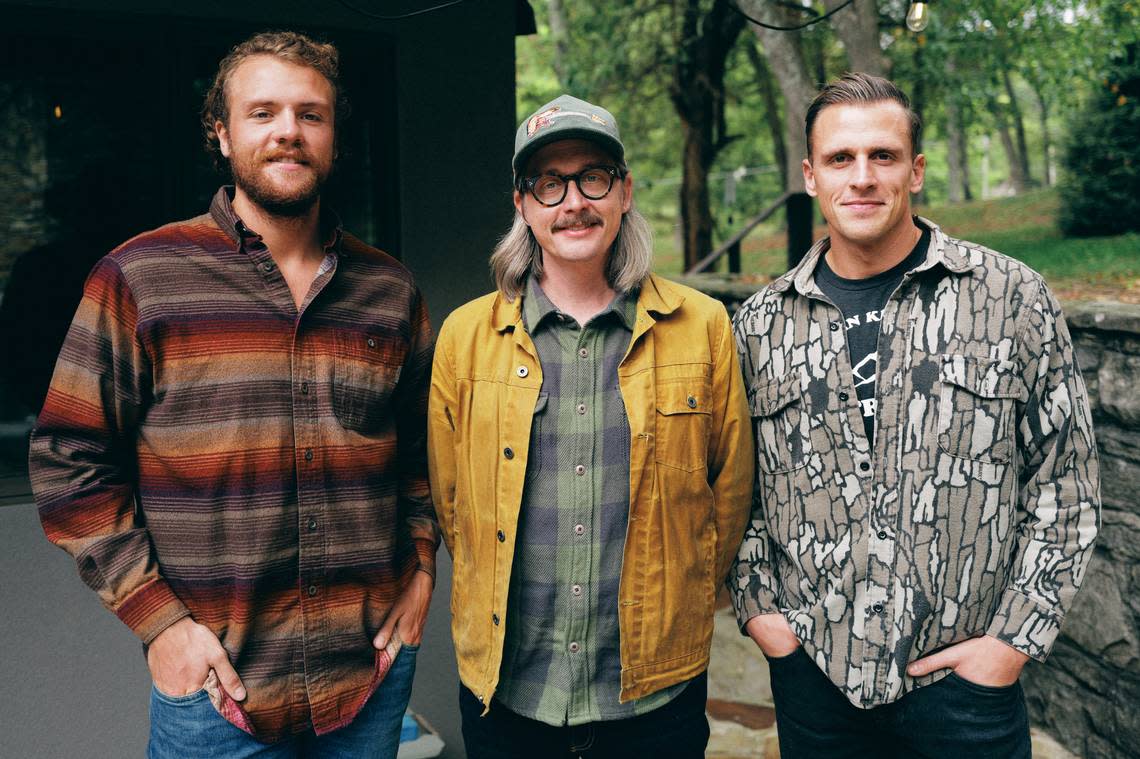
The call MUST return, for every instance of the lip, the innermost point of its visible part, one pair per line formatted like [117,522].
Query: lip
[577,231]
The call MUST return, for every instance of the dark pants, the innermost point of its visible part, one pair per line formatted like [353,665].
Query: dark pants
[950,718]
[678,730]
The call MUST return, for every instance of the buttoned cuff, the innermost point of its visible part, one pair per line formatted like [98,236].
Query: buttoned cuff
[752,597]
[1024,624]
[425,553]
[151,609]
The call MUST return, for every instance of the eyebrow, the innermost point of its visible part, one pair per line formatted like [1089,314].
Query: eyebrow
[872,150]
[306,104]
[587,167]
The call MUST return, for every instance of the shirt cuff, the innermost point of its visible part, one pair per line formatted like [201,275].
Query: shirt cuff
[1023,624]
[752,597]
[425,553]
[151,609]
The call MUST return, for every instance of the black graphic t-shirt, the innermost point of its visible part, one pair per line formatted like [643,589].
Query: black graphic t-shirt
[861,301]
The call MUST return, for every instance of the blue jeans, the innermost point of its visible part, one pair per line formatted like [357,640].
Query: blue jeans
[950,718]
[189,726]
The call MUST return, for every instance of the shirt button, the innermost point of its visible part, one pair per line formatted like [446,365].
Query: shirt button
[495,618]
[268,266]
[579,470]
[508,453]
[573,647]
[843,397]
[304,388]
[312,524]
[865,466]
[834,326]
[579,529]
[500,536]
[522,371]
[312,590]
[583,352]
[576,590]
[308,454]
[877,608]
[581,408]
[371,343]
[882,535]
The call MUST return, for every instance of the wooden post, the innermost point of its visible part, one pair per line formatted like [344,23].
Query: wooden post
[799,211]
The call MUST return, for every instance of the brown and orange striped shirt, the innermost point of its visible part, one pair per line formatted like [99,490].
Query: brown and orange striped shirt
[209,449]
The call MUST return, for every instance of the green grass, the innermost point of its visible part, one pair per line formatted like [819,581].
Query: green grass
[1024,227]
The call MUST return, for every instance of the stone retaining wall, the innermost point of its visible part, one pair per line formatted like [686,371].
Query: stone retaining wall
[1087,694]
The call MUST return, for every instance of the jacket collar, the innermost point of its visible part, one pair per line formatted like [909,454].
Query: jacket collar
[657,296]
[943,251]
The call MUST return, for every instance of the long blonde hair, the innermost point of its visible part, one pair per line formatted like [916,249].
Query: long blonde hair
[518,254]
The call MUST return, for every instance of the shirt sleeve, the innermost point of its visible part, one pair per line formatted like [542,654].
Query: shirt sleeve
[1059,498]
[416,512]
[82,458]
[754,584]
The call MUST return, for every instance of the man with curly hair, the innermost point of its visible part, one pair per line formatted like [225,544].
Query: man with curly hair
[233,444]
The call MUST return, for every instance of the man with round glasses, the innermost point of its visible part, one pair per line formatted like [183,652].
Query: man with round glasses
[591,463]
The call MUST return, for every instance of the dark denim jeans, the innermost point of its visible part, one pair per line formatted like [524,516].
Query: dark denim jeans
[678,730]
[189,726]
[950,718]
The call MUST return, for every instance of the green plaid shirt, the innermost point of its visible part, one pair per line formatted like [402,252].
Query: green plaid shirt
[561,659]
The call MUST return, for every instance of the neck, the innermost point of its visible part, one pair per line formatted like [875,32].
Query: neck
[289,238]
[579,289]
[853,261]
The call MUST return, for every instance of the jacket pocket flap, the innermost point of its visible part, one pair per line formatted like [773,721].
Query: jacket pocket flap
[984,377]
[685,397]
[770,398]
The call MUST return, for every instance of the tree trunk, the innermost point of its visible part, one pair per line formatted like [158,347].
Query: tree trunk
[857,26]
[1046,142]
[697,92]
[1018,129]
[1017,175]
[957,141]
[560,34]
[767,86]
[918,105]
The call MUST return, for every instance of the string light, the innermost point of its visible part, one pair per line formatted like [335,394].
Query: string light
[917,16]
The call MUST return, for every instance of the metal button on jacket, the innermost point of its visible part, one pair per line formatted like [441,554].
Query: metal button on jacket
[522,371]
[508,453]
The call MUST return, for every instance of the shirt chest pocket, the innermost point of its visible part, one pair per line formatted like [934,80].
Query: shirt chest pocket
[976,407]
[781,425]
[366,368]
[684,410]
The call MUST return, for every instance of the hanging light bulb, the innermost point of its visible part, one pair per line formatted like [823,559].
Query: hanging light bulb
[918,16]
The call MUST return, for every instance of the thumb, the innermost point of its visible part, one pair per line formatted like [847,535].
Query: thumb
[228,677]
[385,631]
[924,666]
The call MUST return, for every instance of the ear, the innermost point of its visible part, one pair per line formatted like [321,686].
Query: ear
[627,195]
[223,138]
[809,177]
[918,173]
[519,206]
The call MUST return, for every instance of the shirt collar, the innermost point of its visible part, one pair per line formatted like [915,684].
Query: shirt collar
[537,307]
[222,211]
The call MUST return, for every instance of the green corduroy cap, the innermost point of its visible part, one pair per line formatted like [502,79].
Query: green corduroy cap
[566,118]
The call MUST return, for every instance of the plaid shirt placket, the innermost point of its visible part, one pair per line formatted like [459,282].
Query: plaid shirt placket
[561,661]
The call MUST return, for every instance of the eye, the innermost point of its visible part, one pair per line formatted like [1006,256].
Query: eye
[314,117]
[594,177]
[840,159]
[884,155]
[548,184]
[261,114]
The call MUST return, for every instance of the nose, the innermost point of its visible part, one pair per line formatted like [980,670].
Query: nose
[863,175]
[285,127]
[574,198]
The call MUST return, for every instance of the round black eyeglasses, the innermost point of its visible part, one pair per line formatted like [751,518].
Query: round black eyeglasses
[550,189]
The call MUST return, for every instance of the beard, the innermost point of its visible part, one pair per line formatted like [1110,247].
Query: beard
[277,198]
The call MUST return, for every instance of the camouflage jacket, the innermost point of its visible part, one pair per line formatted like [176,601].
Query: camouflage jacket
[977,508]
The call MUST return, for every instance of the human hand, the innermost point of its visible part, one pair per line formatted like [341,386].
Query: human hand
[408,614]
[773,634]
[983,661]
[181,656]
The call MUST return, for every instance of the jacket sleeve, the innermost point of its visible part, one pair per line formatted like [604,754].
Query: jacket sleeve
[731,455]
[754,584]
[82,458]
[410,401]
[1059,498]
[442,410]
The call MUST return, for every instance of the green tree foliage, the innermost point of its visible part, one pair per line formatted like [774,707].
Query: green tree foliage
[1101,190]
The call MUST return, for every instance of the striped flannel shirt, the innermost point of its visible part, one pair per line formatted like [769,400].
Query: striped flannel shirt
[561,660]
[208,449]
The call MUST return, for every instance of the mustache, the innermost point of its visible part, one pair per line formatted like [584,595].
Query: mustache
[299,156]
[581,218]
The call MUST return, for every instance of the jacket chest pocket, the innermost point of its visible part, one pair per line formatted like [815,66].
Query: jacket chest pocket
[781,425]
[366,369]
[976,407]
[684,408]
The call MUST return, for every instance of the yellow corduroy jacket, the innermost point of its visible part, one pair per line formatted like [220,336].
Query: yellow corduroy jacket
[690,479]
